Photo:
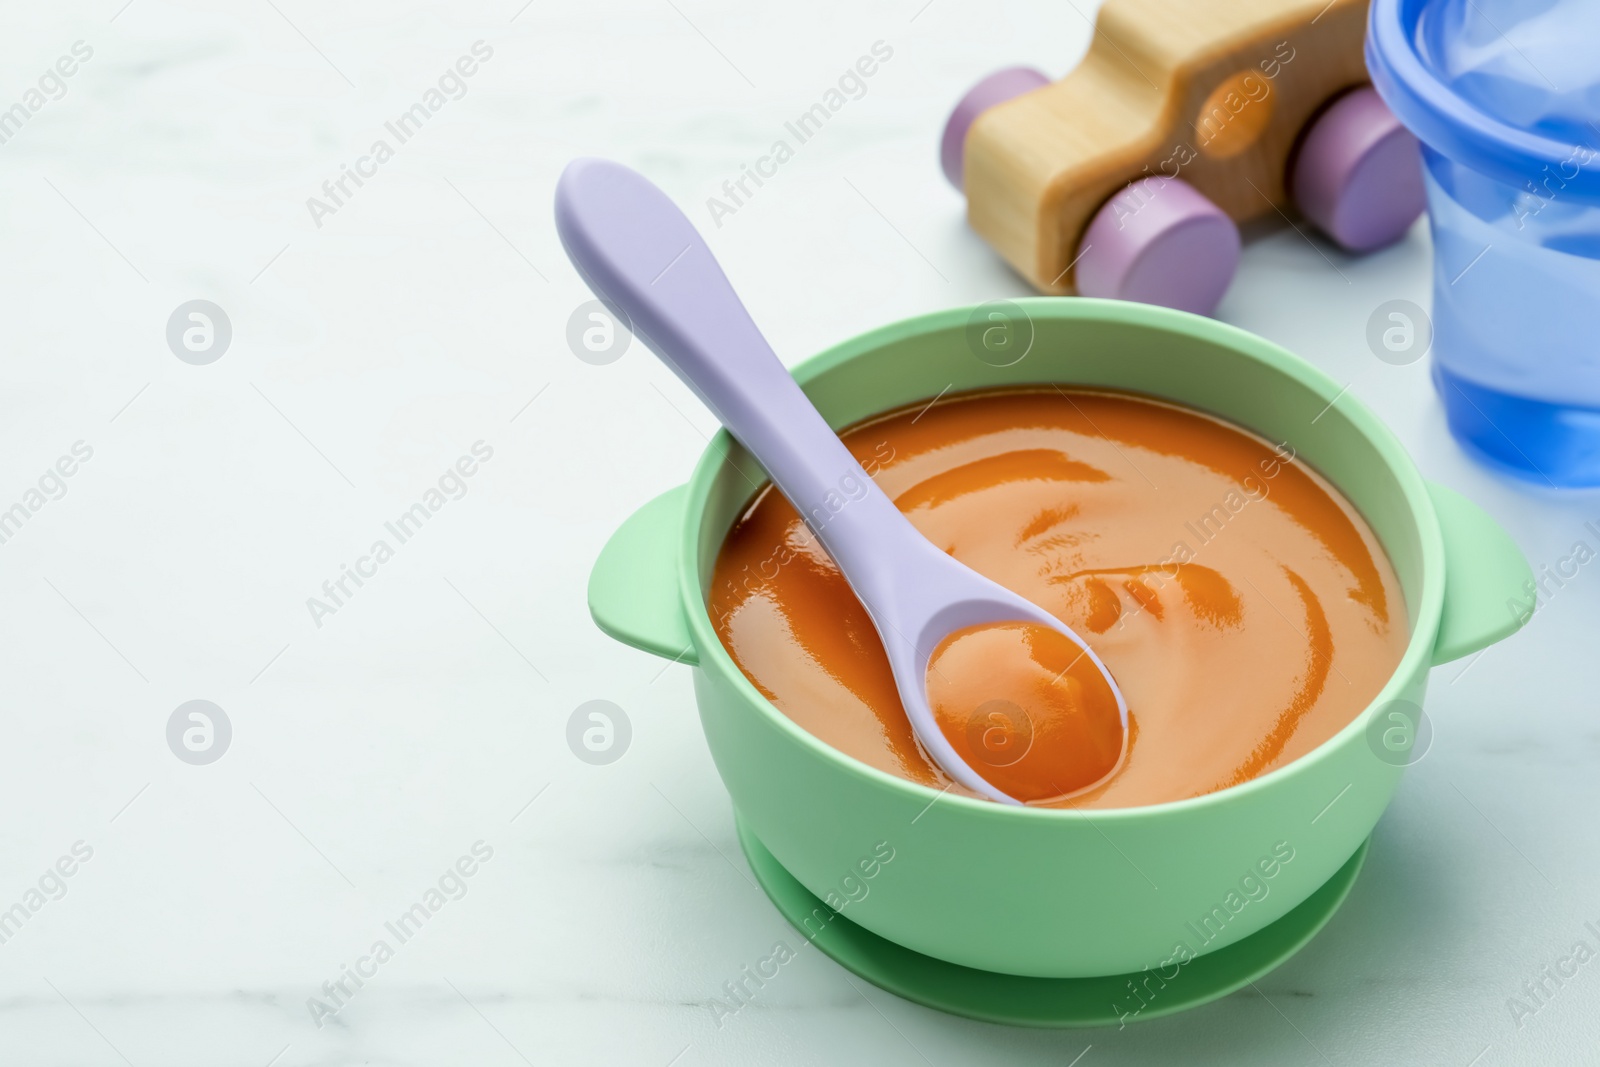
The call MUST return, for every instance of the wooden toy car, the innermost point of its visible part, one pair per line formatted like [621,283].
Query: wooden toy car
[1128,177]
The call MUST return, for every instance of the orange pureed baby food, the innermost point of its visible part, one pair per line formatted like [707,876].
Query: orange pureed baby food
[1243,606]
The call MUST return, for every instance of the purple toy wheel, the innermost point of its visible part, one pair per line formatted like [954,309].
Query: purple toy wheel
[997,88]
[1159,241]
[1359,173]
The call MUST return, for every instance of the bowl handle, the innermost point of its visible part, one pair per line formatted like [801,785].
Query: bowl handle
[633,589]
[1486,578]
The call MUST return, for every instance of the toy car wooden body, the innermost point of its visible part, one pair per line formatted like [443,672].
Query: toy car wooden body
[1128,176]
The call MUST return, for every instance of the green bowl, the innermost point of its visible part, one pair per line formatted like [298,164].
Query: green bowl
[1052,893]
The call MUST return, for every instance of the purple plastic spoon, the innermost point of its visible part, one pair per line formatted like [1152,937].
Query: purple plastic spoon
[642,257]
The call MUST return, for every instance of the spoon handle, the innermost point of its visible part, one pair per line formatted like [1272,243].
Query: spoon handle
[643,258]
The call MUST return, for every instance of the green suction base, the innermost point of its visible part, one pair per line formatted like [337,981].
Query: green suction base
[1048,1002]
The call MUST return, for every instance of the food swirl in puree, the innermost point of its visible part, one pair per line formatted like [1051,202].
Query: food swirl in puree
[1244,607]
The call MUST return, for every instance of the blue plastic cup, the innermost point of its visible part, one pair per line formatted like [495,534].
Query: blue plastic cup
[1505,97]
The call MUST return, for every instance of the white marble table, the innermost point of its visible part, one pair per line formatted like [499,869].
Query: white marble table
[374,742]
